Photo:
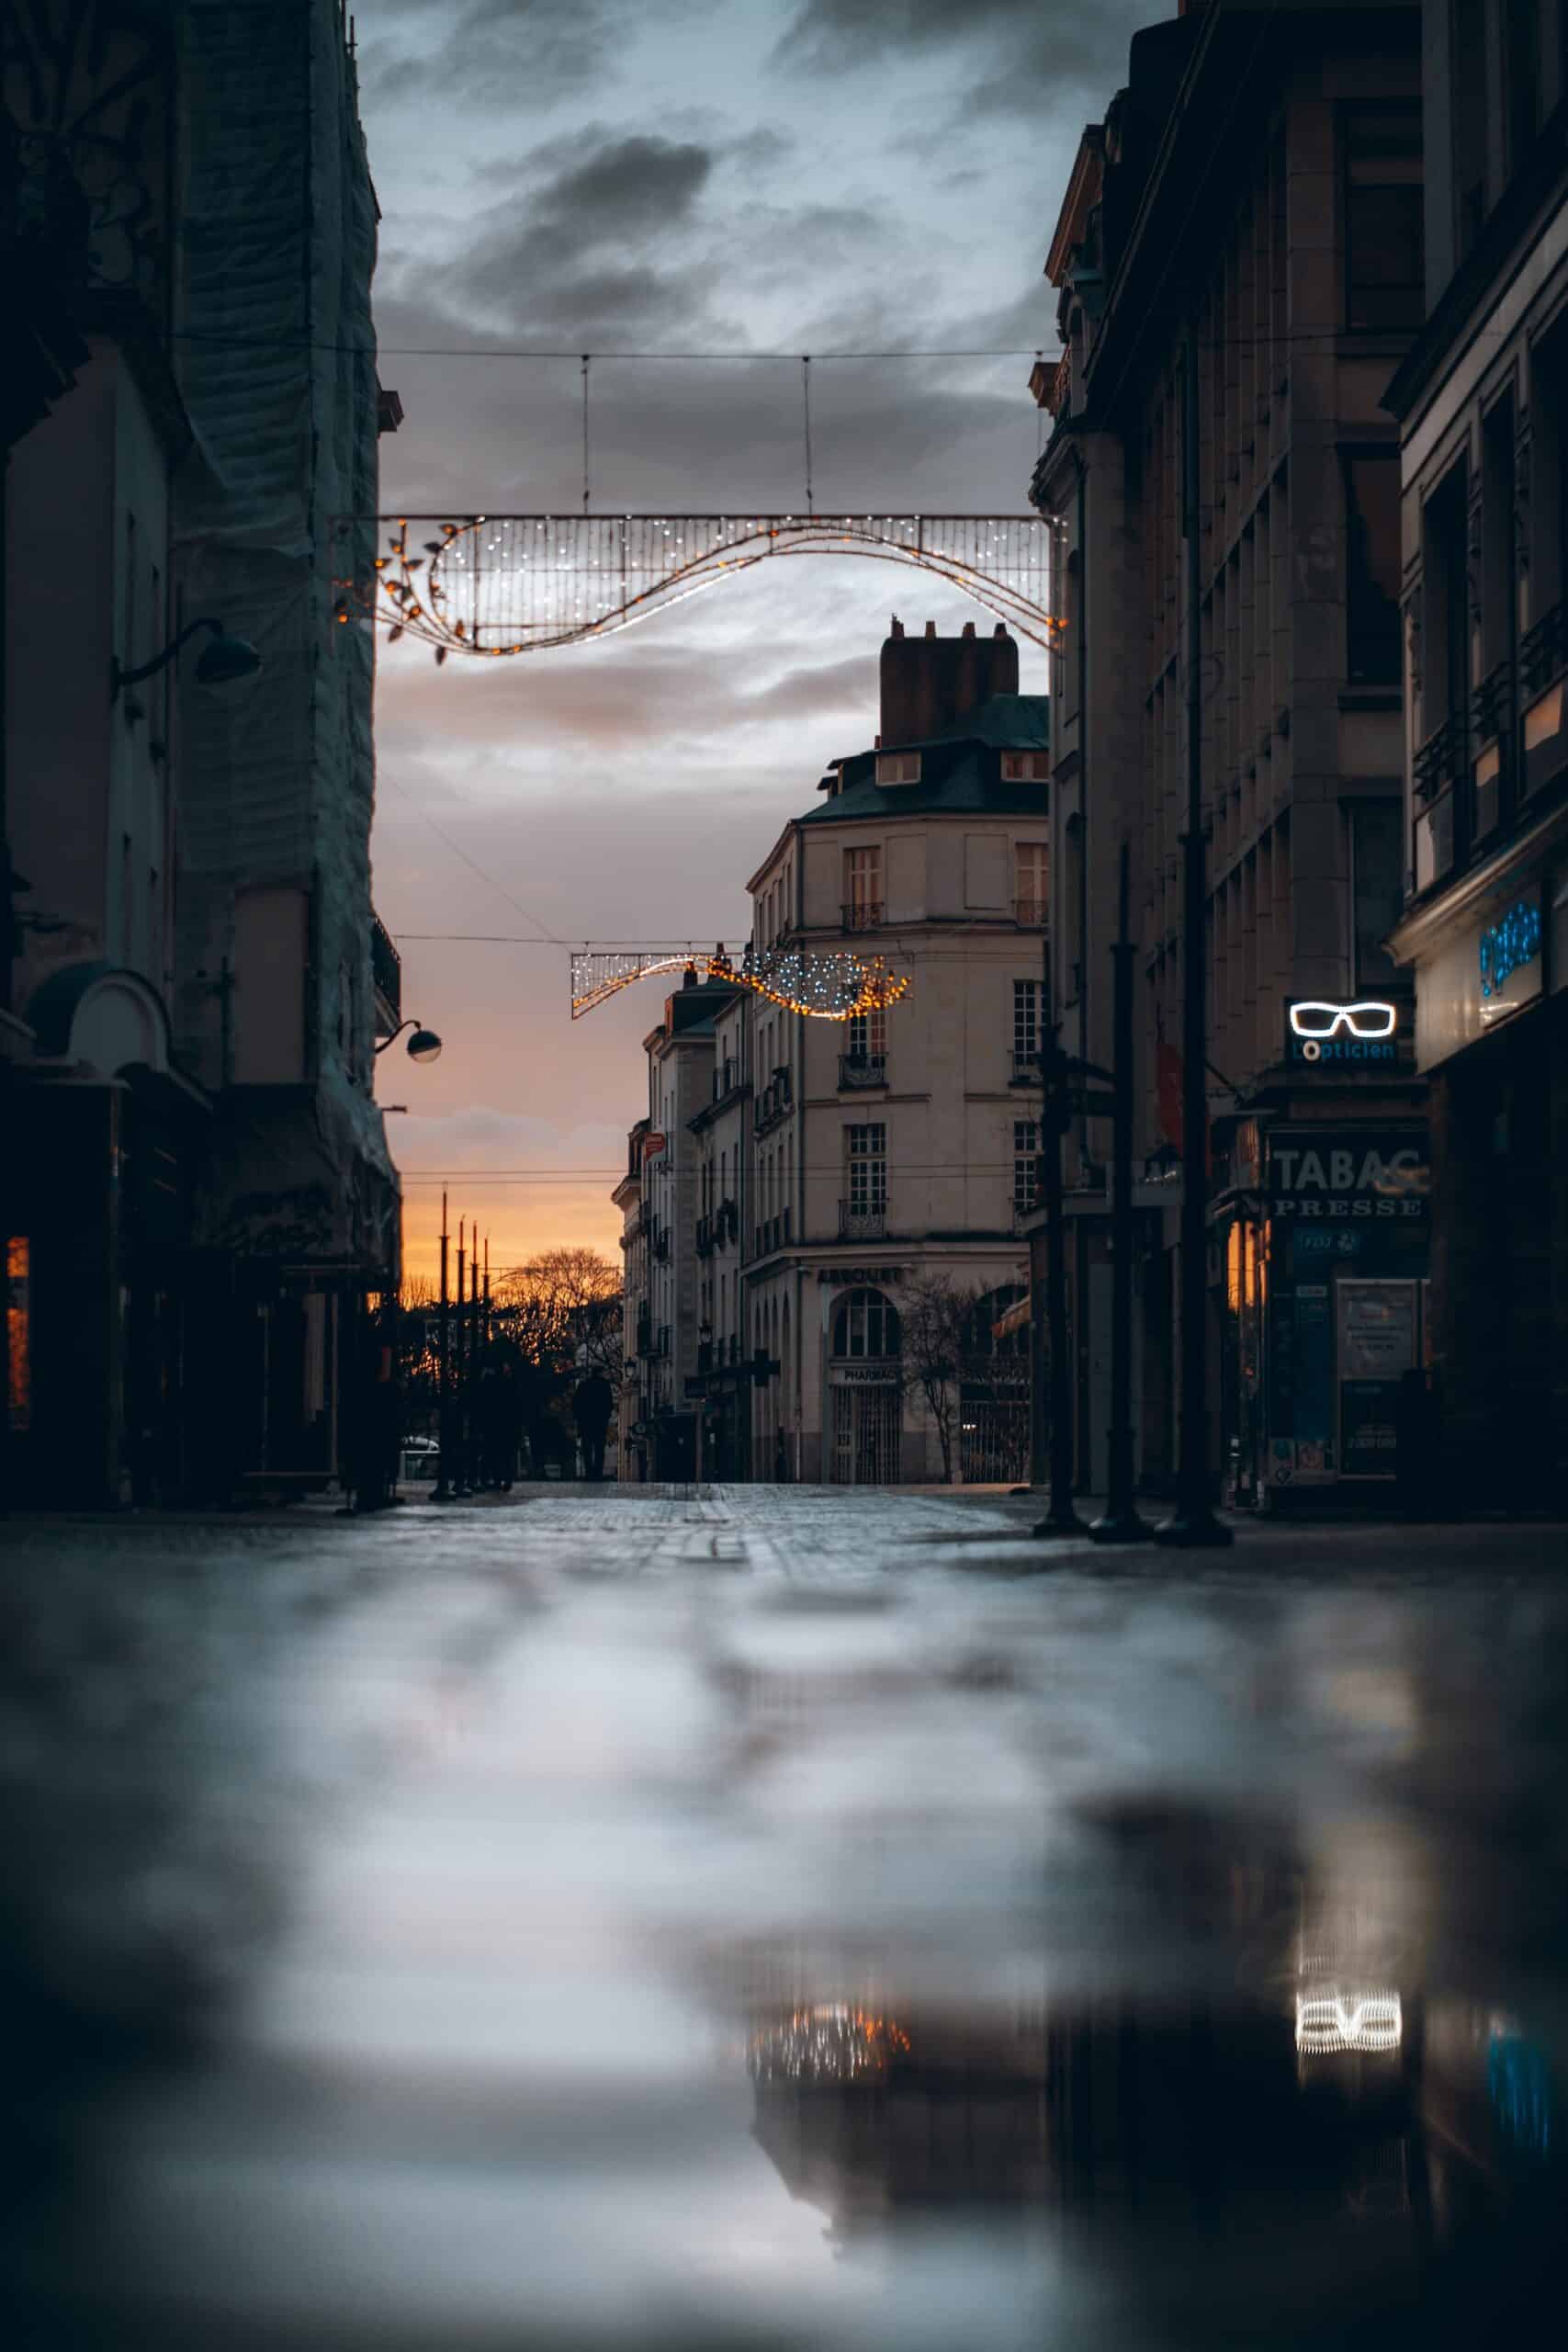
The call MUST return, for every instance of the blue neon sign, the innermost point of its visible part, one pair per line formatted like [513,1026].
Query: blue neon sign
[1513,941]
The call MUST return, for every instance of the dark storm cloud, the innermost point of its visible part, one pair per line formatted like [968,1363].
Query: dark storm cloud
[491,53]
[1028,53]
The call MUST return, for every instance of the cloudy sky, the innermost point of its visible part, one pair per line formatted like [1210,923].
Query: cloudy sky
[667,176]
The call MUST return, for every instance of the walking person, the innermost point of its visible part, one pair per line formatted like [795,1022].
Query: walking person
[590,1408]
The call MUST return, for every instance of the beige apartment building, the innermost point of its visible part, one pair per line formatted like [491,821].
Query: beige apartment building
[1481,401]
[1253,198]
[832,1168]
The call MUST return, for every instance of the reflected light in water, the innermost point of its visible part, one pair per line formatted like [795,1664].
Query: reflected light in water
[1361,2021]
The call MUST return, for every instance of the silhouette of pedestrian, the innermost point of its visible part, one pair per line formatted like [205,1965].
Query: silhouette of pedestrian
[591,1410]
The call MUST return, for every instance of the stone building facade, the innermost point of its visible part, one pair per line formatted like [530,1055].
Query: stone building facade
[1250,208]
[834,1170]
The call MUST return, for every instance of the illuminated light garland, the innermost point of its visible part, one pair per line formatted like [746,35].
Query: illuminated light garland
[831,986]
[529,581]
[830,2042]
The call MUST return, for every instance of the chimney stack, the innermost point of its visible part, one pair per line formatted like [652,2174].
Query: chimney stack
[930,684]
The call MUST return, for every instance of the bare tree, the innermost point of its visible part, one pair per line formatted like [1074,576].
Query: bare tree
[562,1309]
[935,1318]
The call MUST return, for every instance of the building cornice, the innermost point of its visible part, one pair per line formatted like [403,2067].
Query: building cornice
[1424,926]
[1503,249]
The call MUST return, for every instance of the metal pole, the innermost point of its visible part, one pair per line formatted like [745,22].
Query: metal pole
[1120,1522]
[1039,1305]
[1193,1522]
[460,1400]
[1061,1519]
[443,1378]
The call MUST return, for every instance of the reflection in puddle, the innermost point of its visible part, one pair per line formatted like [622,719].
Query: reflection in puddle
[1308,2157]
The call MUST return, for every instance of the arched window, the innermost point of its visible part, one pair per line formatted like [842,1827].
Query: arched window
[980,1340]
[865,1323]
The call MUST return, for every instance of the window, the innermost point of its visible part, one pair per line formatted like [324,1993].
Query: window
[1025,1023]
[863,887]
[1025,767]
[1031,880]
[1384,249]
[1470,112]
[866,1324]
[1377,886]
[1371,568]
[867,1154]
[868,1035]
[1522,33]
[1025,1164]
[897,767]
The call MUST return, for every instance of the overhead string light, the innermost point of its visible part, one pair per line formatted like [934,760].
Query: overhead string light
[819,985]
[504,585]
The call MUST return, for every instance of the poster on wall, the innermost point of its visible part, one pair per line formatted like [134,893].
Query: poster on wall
[1377,1345]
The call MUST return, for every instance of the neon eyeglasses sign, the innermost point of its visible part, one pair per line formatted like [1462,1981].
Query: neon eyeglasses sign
[1362,1032]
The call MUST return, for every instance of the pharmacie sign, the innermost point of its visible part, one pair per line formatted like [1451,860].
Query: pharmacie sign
[1321,1031]
[1361,1173]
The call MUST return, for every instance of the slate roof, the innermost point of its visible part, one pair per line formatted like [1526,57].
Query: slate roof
[960,773]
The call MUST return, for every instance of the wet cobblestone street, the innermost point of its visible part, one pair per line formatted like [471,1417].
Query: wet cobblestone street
[777,1915]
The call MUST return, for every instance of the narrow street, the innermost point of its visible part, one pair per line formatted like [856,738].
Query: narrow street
[777,1915]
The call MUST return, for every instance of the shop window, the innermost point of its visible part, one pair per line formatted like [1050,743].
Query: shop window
[1384,249]
[18,1334]
[1372,567]
[866,1324]
[1377,886]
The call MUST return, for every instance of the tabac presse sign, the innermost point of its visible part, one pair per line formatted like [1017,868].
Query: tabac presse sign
[1348,1173]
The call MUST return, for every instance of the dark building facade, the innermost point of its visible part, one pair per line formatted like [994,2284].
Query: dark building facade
[1250,211]
[1482,404]
[196,1193]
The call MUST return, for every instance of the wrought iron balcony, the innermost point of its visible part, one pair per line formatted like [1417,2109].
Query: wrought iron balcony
[1025,1070]
[862,914]
[861,1224]
[1543,652]
[1030,913]
[773,1233]
[1490,706]
[386,974]
[862,1069]
[774,1100]
[1440,758]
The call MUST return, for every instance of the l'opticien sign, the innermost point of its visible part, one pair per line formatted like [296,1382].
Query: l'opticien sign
[1322,1031]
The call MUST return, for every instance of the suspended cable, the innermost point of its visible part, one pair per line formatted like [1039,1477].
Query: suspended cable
[586,357]
[806,397]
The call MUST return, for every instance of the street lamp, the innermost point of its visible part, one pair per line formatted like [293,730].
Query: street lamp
[424,1046]
[223,661]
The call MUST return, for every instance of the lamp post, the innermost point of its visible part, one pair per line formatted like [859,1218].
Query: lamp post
[1192,1523]
[424,1046]
[223,661]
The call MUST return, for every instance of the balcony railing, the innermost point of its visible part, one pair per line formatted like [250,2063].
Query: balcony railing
[862,1069]
[1025,1070]
[1543,652]
[1440,758]
[774,1100]
[386,969]
[1030,912]
[862,914]
[773,1233]
[857,1224]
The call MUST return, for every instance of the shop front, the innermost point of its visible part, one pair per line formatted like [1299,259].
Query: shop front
[1325,1297]
[1492,1037]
